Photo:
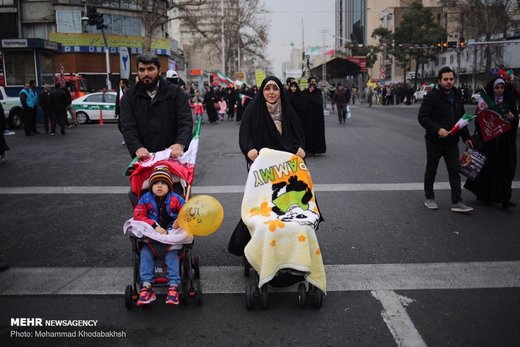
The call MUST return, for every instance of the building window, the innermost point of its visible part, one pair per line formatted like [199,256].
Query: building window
[452,59]
[6,2]
[118,25]
[68,21]
[19,67]
[47,67]
[36,30]
[443,61]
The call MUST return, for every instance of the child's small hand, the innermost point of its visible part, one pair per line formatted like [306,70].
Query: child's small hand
[161,230]
[176,225]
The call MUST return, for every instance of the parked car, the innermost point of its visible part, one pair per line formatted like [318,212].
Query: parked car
[421,93]
[89,107]
[12,109]
[475,97]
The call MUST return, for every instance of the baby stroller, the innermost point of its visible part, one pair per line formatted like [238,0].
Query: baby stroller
[190,287]
[280,211]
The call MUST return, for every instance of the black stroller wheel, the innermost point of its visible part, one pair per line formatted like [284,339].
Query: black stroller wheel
[195,266]
[129,297]
[302,295]
[264,296]
[250,292]
[317,297]
[198,288]
[247,268]
[184,293]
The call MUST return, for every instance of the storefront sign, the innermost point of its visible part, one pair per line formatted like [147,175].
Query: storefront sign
[14,43]
[112,40]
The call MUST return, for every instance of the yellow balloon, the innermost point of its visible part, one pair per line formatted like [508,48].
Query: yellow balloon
[201,215]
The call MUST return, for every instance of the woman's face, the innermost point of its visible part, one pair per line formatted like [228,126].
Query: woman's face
[499,89]
[312,88]
[293,88]
[271,93]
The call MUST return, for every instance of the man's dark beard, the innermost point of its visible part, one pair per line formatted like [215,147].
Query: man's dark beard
[150,86]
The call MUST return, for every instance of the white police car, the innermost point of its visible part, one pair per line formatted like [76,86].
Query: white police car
[89,107]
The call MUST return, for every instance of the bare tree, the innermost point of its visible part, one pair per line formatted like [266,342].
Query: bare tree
[245,30]
[155,15]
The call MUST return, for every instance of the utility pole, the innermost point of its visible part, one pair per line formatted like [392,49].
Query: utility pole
[324,65]
[223,54]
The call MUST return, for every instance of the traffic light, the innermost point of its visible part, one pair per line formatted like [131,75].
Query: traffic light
[462,43]
[92,15]
[99,21]
[444,45]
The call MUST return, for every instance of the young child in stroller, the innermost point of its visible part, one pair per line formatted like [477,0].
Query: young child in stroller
[159,208]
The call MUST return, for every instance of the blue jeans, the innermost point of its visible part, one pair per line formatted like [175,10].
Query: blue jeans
[171,258]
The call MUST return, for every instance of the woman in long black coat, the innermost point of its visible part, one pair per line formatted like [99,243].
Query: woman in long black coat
[493,183]
[314,125]
[297,101]
[209,102]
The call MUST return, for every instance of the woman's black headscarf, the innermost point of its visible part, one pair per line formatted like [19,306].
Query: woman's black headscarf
[258,130]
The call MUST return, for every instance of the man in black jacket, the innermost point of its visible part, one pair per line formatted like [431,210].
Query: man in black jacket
[440,110]
[155,114]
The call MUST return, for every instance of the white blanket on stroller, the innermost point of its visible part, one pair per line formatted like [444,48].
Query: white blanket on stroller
[175,237]
[280,211]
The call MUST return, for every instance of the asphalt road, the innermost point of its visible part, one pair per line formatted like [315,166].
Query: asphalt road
[63,203]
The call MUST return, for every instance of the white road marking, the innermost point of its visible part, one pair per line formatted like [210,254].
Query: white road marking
[230,279]
[349,187]
[397,320]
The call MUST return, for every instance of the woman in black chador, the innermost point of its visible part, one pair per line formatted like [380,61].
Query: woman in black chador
[268,122]
[314,125]
[493,183]
[297,101]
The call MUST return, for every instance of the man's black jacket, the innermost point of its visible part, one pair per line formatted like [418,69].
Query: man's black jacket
[155,124]
[437,112]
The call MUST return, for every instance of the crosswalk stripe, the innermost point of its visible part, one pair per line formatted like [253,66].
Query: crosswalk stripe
[230,279]
[397,319]
[349,187]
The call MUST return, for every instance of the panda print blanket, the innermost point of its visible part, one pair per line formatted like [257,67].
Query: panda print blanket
[279,209]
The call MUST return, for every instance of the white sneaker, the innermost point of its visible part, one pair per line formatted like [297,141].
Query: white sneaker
[8,132]
[460,207]
[431,204]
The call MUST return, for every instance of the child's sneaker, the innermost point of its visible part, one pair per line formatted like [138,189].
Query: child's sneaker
[173,295]
[146,296]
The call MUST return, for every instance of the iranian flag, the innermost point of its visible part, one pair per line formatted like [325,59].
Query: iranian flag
[243,98]
[183,167]
[487,103]
[224,78]
[463,121]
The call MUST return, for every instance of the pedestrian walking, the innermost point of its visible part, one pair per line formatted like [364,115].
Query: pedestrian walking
[60,99]
[211,104]
[341,99]
[439,112]
[124,85]
[314,126]
[222,108]
[29,101]
[154,113]
[370,95]
[44,100]
[3,145]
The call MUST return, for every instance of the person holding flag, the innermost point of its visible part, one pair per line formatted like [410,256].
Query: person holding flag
[498,132]
[441,110]
[155,114]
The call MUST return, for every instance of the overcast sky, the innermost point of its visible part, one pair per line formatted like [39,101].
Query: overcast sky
[286,27]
